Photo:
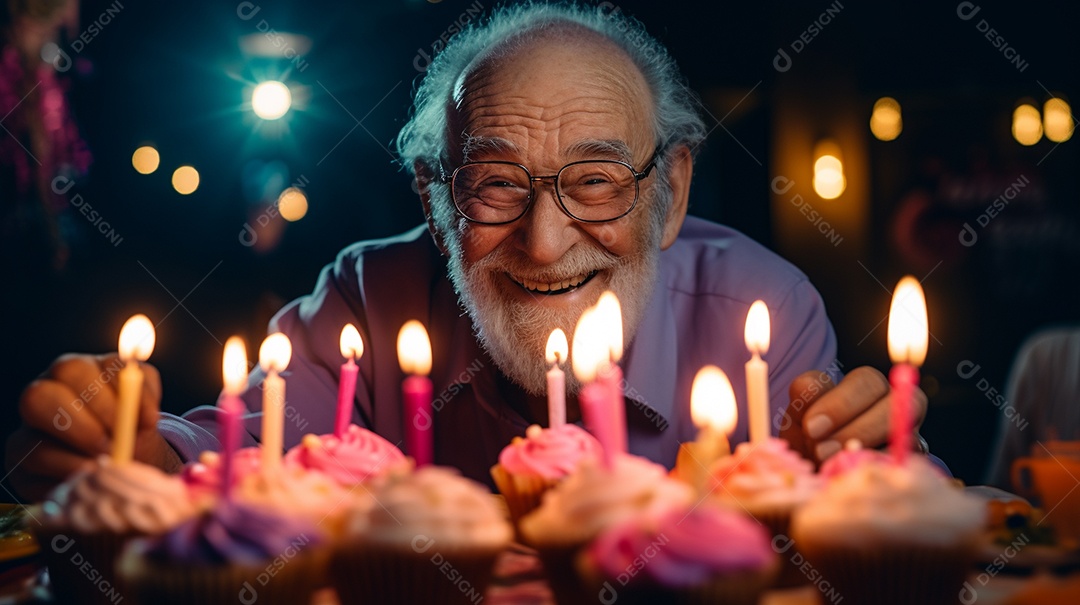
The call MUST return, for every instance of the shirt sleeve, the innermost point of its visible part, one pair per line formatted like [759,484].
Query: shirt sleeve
[802,330]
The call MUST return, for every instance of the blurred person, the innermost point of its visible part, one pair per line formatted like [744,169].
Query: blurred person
[552,147]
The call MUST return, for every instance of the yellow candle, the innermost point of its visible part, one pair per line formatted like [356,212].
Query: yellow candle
[274,356]
[136,344]
[757,371]
[712,408]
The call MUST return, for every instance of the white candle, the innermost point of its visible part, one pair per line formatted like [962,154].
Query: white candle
[555,354]
[274,356]
[136,343]
[757,371]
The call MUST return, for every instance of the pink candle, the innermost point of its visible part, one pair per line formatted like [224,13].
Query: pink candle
[611,377]
[589,356]
[352,347]
[908,339]
[234,369]
[610,332]
[556,380]
[414,356]
[595,399]
[902,378]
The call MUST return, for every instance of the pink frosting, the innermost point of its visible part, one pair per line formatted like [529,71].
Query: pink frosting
[850,458]
[203,477]
[549,453]
[680,547]
[355,458]
[768,474]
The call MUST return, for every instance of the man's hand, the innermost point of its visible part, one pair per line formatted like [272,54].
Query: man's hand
[67,420]
[821,417]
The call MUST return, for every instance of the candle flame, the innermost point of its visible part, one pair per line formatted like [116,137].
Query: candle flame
[275,353]
[757,328]
[234,365]
[588,351]
[609,311]
[712,400]
[557,348]
[137,338]
[908,326]
[414,349]
[352,346]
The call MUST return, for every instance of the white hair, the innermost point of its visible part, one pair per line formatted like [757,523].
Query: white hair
[676,121]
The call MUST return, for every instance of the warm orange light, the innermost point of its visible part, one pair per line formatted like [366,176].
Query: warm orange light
[712,400]
[609,311]
[829,180]
[185,180]
[756,332]
[1058,120]
[908,327]
[145,160]
[352,346]
[1027,125]
[557,348]
[137,338]
[234,366]
[292,204]
[589,350]
[414,349]
[886,122]
[275,353]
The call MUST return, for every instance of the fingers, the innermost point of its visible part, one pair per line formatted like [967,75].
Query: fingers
[804,390]
[91,382]
[54,410]
[857,392]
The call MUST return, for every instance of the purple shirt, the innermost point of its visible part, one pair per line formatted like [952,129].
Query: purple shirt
[707,281]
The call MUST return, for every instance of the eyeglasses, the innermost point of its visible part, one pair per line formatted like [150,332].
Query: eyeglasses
[590,191]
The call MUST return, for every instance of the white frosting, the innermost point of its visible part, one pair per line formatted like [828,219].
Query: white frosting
[126,498]
[311,494]
[433,506]
[594,497]
[882,503]
[767,475]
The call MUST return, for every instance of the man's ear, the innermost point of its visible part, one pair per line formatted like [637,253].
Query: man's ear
[680,173]
[424,178]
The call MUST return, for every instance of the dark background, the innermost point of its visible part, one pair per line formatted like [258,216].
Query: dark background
[173,74]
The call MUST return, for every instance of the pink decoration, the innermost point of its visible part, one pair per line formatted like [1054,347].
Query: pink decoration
[611,377]
[416,392]
[346,394]
[231,409]
[595,400]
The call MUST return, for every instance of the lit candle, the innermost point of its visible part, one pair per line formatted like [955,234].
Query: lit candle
[414,356]
[588,354]
[713,410]
[757,371]
[352,347]
[274,356]
[136,343]
[908,339]
[555,354]
[609,312]
[234,368]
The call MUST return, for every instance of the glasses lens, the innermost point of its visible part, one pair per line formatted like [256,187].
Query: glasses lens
[491,192]
[597,191]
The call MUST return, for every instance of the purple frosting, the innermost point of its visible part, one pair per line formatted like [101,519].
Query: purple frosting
[233,532]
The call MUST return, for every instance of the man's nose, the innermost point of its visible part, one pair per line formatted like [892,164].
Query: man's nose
[545,233]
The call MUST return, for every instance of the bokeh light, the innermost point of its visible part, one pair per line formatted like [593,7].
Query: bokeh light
[185,180]
[829,180]
[270,100]
[1027,125]
[145,159]
[886,122]
[1058,120]
[292,204]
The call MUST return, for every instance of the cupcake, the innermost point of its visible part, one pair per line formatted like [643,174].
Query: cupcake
[356,457]
[203,476]
[850,458]
[86,521]
[701,554]
[530,466]
[588,501]
[889,533]
[231,552]
[432,536]
[294,491]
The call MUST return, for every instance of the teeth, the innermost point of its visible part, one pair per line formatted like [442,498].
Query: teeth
[536,286]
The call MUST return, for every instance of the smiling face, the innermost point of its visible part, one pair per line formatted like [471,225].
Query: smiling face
[550,101]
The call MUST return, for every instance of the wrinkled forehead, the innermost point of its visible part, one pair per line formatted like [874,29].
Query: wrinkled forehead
[562,84]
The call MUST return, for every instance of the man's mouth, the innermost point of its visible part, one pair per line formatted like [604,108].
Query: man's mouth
[550,289]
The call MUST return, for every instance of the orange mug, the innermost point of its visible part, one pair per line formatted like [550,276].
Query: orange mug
[1055,482]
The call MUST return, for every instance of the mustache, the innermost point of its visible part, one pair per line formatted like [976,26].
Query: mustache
[580,259]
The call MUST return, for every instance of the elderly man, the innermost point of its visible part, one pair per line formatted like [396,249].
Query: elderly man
[553,151]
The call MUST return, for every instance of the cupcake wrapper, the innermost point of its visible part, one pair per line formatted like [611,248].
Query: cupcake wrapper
[778,523]
[371,573]
[82,567]
[293,583]
[888,574]
[523,494]
[567,585]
